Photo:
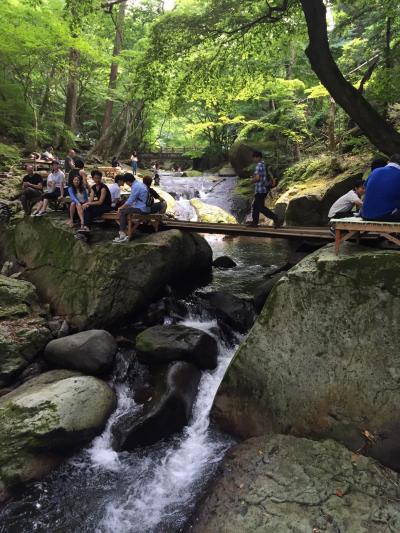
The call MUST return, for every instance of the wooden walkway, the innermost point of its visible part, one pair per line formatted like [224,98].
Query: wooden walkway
[240,230]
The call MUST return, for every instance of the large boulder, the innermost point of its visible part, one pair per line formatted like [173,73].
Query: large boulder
[323,358]
[162,344]
[211,213]
[284,484]
[227,171]
[23,328]
[91,352]
[167,414]
[46,417]
[100,284]
[237,313]
[223,261]
[241,158]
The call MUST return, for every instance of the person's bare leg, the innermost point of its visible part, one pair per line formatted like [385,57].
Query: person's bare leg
[38,207]
[72,208]
[80,214]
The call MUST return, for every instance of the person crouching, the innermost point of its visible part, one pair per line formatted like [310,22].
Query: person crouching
[135,204]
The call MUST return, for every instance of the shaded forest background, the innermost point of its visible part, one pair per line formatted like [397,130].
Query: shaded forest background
[110,76]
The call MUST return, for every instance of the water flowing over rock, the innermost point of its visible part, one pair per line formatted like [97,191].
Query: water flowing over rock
[167,414]
[100,284]
[23,329]
[91,352]
[281,484]
[45,416]
[237,313]
[162,344]
[323,358]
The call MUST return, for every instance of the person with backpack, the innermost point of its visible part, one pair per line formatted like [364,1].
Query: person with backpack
[159,206]
[263,184]
[137,203]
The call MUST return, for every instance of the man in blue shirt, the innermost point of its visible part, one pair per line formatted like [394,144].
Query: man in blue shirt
[136,203]
[382,196]
[262,187]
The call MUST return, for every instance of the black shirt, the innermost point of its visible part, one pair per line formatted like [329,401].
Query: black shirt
[97,193]
[35,179]
[155,194]
[68,163]
[74,172]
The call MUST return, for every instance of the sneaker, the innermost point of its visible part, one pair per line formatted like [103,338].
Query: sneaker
[34,214]
[41,214]
[120,239]
[251,224]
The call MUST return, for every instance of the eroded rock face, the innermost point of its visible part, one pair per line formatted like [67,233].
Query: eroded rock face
[91,352]
[163,344]
[281,484]
[323,358]
[100,284]
[48,414]
[23,329]
[167,414]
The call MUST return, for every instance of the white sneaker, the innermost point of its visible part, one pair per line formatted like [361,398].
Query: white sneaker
[34,213]
[119,239]
[42,214]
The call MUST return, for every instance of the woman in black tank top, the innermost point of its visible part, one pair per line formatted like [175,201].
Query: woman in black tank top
[99,201]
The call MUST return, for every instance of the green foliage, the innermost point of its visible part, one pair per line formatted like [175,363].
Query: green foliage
[9,156]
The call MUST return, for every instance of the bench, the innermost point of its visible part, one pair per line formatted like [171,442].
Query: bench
[355,226]
[134,221]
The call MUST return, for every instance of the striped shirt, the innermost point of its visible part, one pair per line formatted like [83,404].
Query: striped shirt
[262,186]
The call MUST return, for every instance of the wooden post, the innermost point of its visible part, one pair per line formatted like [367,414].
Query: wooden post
[337,240]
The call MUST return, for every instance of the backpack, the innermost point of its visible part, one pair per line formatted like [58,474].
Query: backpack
[150,199]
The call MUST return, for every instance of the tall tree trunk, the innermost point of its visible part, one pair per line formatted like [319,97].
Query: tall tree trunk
[46,94]
[378,131]
[71,104]
[119,32]
[331,125]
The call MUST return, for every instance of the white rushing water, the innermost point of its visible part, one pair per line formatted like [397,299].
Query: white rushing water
[162,486]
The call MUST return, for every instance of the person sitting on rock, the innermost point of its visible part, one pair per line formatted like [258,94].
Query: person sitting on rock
[55,189]
[343,207]
[79,196]
[99,200]
[155,207]
[263,185]
[135,204]
[115,191]
[48,153]
[115,163]
[382,195]
[32,188]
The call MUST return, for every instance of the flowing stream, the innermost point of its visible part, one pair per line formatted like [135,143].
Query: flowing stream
[153,489]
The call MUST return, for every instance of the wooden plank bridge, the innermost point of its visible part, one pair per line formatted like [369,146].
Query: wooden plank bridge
[240,230]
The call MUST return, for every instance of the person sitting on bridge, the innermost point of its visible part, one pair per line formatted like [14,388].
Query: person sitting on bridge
[155,207]
[135,204]
[55,189]
[382,195]
[263,185]
[32,187]
[79,197]
[115,190]
[343,207]
[99,200]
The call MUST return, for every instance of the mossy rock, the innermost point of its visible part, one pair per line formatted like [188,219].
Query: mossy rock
[98,285]
[281,484]
[23,329]
[212,213]
[323,358]
[49,415]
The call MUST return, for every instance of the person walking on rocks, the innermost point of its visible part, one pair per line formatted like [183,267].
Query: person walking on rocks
[263,185]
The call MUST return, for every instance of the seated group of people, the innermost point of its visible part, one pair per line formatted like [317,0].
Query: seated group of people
[89,202]
[377,198]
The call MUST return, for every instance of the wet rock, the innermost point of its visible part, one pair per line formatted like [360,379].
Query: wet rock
[227,172]
[264,289]
[91,352]
[49,415]
[323,359]
[211,213]
[273,270]
[281,484]
[23,330]
[167,414]
[162,344]
[224,262]
[238,313]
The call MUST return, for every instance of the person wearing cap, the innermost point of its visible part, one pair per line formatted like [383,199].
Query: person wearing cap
[55,189]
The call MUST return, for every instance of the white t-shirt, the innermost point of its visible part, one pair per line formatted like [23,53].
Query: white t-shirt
[55,179]
[344,204]
[115,193]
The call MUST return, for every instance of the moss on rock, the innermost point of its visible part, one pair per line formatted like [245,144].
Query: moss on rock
[212,213]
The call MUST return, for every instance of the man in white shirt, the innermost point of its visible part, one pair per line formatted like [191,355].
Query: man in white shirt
[343,206]
[54,189]
[115,191]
